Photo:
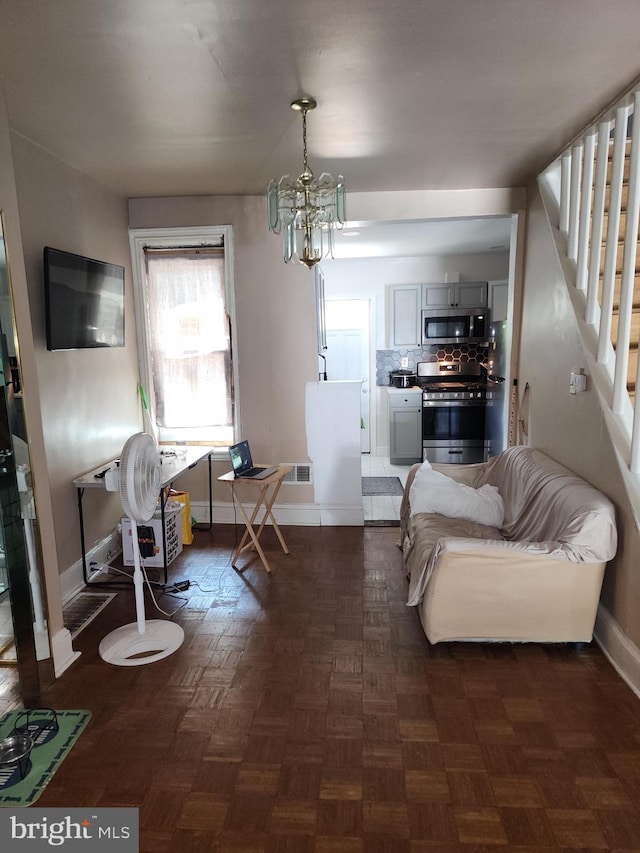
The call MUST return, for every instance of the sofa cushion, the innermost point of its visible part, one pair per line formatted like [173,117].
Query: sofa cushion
[423,532]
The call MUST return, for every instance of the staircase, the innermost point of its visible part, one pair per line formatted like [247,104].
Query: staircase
[632,358]
[594,184]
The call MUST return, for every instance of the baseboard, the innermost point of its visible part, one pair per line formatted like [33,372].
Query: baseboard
[62,651]
[305,515]
[72,579]
[622,654]
[341,516]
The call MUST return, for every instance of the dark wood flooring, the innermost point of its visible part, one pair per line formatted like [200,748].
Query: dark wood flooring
[306,712]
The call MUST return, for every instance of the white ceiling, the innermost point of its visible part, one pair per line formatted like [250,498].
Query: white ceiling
[423,238]
[191,97]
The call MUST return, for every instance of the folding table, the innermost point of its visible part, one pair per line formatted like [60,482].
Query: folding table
[267,489]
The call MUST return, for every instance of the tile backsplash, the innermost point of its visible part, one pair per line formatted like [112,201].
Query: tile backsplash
[389,359]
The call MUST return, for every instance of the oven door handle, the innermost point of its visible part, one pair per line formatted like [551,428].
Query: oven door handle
[449,404]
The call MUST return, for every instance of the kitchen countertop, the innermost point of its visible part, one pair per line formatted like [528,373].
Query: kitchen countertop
[415,389]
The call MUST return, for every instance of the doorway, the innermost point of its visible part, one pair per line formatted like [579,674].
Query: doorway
[348,352]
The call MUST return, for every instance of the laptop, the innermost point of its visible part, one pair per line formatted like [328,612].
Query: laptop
[242,463]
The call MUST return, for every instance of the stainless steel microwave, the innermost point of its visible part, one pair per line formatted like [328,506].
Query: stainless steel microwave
[455,326]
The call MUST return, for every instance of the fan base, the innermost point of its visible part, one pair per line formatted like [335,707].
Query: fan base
[126,646]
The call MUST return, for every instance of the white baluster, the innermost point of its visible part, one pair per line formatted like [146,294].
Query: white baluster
[597,220]
[565,192]
[628,266]
[613,231]
[574,201]
[584,221]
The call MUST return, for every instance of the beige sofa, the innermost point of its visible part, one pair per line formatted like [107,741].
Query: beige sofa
[536,579]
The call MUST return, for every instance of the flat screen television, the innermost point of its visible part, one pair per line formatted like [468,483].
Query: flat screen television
[84,301]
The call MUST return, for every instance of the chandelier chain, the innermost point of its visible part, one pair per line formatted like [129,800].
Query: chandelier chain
[304,141]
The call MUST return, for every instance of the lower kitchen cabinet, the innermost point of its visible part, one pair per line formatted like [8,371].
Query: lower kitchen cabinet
[405,427]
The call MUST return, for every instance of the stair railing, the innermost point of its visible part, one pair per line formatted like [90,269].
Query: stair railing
[576,187]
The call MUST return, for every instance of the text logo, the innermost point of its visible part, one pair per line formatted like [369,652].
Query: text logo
[115,830]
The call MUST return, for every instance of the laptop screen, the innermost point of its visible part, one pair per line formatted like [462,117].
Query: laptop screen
[240,457]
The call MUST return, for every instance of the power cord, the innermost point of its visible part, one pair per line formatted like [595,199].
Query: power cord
[164,589]
[167,592]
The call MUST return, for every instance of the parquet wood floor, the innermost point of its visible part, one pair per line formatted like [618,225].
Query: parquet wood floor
[306,713]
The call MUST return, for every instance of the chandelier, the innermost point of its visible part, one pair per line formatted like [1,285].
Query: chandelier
[306,210]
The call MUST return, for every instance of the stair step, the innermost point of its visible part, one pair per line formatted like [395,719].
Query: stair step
[635,327]
[605,224]
[619,258]
[617,285]
[632,369]
[623,200]
[627,161]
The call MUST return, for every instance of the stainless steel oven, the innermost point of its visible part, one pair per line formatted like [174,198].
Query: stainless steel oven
[454,405]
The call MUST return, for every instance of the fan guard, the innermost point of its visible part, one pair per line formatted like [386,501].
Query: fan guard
[139,482]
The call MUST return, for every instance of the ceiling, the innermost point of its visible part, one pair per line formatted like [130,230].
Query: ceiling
[191,97]
[435,237]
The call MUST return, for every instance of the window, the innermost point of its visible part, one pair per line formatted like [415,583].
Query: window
[185,324]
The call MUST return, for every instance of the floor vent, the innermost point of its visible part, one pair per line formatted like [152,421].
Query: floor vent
[83,609]
[300,473]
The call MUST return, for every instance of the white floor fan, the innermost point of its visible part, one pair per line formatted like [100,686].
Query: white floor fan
[138,482]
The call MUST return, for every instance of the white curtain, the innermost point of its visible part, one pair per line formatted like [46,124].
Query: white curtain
[189,339]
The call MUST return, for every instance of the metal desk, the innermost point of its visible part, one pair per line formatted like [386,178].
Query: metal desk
[172,468]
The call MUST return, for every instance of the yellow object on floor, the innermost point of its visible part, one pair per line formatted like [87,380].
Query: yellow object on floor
[183,498]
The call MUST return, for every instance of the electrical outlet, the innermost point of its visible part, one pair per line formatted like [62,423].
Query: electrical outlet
[109,555]
[404,362]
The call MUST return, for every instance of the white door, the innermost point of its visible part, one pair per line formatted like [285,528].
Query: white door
[348,352]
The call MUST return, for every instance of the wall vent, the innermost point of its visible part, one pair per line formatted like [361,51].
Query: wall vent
[300,474]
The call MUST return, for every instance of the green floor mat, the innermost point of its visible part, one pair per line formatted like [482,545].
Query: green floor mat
[53,733]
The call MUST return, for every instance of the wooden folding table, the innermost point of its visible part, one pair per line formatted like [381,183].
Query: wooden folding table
[268,489]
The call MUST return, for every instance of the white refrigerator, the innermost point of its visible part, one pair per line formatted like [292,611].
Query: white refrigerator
[333,424]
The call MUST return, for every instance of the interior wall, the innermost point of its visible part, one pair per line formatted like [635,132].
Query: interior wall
[276,328]
[29,373]
[88,398]
[571,428]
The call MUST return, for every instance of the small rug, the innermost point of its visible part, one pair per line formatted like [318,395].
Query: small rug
[380,486]
[22,785]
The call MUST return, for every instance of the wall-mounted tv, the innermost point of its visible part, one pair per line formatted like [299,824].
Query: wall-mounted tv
[84,301]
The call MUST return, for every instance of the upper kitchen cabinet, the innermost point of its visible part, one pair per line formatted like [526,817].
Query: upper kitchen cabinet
[498,301]
[462,294]
[404,314]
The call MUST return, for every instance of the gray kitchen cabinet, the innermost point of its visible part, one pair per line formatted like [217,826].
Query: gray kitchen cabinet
[405,427]
[498,301]
[462,294]
[404,315]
